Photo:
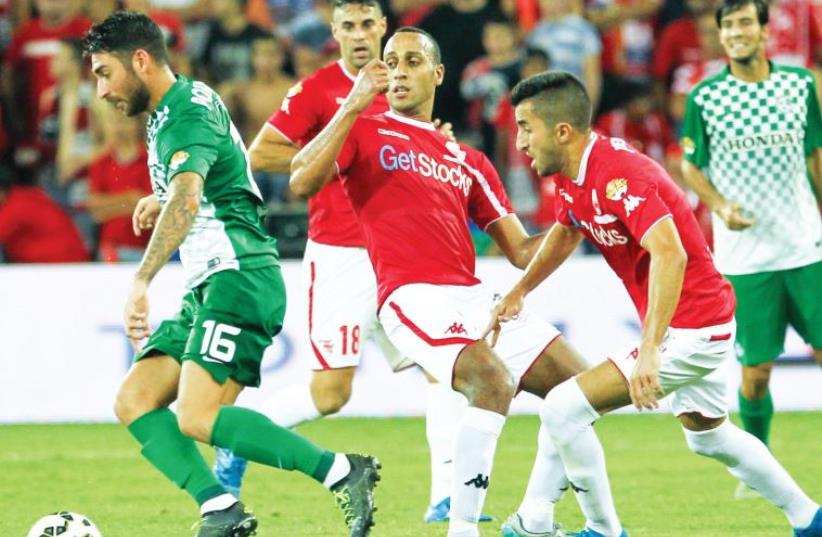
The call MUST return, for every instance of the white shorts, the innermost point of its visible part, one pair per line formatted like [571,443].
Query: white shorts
[342,307]
[691,360]
[431,324]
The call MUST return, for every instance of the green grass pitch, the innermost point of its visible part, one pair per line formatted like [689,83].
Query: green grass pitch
[661,489]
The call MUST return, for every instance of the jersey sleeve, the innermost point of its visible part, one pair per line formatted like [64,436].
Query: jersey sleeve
[190,145]
[487,199]
[299,112]
[349,149]
[634,200]
[694,139]
[813,127]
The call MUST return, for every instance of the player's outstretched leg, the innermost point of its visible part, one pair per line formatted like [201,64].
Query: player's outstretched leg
[288,408]
[749,460]
[535,515]
[568,417]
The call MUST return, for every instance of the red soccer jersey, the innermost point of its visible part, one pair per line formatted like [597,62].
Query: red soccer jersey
[30,53]
[413,191]
[34,229]
[109,176]
[306,109]
[617,197]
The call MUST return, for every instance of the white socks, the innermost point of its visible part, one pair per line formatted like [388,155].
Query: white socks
[444,410]
[567,416]
[749,460]
[474,449]
[340,468]
[291,406]
[545,487]
[218,503]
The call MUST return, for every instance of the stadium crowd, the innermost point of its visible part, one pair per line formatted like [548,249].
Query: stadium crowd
[71,172]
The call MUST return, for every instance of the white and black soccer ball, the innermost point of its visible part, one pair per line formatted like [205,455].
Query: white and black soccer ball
[64,524]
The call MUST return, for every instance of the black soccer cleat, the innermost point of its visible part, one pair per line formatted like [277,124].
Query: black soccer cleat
[233,521]
[355,494]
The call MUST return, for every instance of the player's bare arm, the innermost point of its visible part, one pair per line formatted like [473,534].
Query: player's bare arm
[310,167]
[517,245]
[145,213]
[815,169]
[173,225]
[557,245]
[665,277]
[729,211]
[271,151]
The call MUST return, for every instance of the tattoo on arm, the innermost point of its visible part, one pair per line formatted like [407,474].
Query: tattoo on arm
[174,223]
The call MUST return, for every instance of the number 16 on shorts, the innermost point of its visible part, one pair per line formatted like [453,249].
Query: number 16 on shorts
[217,344]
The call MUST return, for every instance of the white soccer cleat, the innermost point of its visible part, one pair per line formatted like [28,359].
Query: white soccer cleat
[513,528]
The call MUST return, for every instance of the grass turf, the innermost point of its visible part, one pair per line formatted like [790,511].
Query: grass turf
[661,489]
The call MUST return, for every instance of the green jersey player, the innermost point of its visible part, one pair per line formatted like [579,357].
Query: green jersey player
[752,140]
[206,204]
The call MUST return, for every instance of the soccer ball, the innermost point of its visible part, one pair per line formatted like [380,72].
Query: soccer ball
[64,524]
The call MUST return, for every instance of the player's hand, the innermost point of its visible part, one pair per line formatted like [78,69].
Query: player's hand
[506,310]
[371,81]
[731,214]
[644,386]
[445,128]
[136,314]
[145,214]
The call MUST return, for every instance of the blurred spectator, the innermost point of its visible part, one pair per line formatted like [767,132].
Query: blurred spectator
[33,228]
[454,25]
[6,25]
[572,43]
[117,181]
[678,44]
[637,123]
[98,10]
[689,74]
[794,33]
[168,21]
[227,54]
[487,79]
[252,103]
[627,28]
[26,73]
[312,47]
[531,195]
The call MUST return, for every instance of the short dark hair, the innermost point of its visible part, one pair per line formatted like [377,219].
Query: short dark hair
[729,6]
[366,3]
[125,32]
[559,97]
[434,45]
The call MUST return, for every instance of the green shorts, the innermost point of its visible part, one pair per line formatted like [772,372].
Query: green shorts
[767,302]
[225,324]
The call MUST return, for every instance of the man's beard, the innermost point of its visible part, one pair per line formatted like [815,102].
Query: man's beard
[137,101]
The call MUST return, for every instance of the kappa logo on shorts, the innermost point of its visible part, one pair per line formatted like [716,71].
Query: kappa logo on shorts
[456,328]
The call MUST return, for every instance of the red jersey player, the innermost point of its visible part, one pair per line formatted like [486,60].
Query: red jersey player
[627,205]
[413,191]
[339,278]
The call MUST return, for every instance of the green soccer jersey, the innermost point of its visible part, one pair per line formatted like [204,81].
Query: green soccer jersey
[190,130]
[752,140]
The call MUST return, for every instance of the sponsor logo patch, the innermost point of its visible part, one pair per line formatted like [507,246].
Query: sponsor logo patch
[616,189]
[177,159]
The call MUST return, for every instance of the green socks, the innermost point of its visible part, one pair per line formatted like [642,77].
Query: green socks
[252,436]
[175,455]
[756,416]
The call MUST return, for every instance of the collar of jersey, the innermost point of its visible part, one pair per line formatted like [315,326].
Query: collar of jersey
[410,121]
[345,71]
[171,91]
[583,164]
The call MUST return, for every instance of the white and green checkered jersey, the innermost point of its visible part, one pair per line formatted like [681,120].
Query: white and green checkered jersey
[190,130]
[752,140]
